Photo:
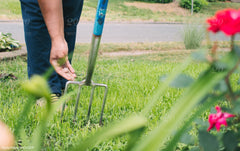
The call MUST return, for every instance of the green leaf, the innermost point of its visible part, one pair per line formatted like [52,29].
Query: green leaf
[238,82]
[187,139]
[37,86]
[22,117]
[230,141]
[213,110]
[7,42]
[134,137]
[120,128]
[207,141]
[182,81]
[199,56]
[195,149]
[24,137]
[236,49]
[236,107]
[8,34]
[220,66]
[203,124]
[221,86]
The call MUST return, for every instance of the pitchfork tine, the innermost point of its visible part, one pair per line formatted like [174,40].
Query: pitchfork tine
[90,102]
[103,105]
[65,92]
[77,102]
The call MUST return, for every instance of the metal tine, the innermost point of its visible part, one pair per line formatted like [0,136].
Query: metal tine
[90,102]
[93,85]
[65,92]
[104,100]
[80,83]
[77,101]
[91,99]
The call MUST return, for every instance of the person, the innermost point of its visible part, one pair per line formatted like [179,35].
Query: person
[50,35]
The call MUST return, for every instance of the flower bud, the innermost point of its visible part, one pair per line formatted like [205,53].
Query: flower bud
[37,86]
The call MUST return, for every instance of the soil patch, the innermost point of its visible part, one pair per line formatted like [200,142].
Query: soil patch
[143,52]
[173,7]
[128,53]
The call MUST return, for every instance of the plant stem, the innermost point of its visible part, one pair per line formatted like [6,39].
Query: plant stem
[232,42]
[232,95]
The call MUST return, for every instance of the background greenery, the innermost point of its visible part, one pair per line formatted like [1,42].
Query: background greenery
[197,4]
[156,1]
[119,11]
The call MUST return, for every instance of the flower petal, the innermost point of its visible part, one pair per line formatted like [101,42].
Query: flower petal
[228,115]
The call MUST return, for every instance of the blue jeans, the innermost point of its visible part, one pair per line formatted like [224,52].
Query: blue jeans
[38,41]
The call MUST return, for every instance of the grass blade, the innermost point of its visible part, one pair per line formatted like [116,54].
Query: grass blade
[128,125]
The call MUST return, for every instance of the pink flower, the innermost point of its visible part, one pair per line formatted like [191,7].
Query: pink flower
[218,119]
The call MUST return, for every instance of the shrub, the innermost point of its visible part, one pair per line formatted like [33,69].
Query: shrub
[212,0]
[7,43]
[216,0]
[193,36]
[156,1]
[197,4]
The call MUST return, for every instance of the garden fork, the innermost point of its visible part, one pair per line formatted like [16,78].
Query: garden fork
[96,38]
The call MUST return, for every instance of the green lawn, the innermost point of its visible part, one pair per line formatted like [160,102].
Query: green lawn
[10,9]
[131,81]
[217,6]
[117,11]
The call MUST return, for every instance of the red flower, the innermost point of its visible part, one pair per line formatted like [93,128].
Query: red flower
[214,24]
[227,21]
[218,119]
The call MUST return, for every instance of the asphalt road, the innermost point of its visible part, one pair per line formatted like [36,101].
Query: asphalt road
[119,32]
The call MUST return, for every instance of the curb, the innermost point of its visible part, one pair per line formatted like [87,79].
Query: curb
[13,54]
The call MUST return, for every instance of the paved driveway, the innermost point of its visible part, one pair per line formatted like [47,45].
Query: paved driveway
[118,32]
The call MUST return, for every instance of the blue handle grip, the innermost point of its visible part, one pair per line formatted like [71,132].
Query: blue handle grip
[100,17]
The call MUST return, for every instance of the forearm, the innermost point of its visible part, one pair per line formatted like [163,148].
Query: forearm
[52,12]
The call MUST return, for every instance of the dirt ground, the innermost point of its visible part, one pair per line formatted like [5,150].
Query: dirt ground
[169,7]
[141,52]
[128,53]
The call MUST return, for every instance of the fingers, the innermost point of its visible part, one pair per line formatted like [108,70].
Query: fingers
[64,70]
[70,68]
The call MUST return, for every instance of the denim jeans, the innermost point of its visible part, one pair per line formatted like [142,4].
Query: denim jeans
[38,41]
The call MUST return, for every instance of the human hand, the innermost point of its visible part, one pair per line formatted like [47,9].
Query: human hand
[59,59]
